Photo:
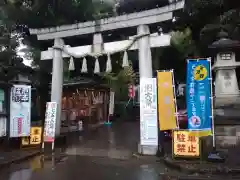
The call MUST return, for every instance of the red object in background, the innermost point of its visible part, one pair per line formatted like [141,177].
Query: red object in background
[20,125]
[131,91]
[182,119]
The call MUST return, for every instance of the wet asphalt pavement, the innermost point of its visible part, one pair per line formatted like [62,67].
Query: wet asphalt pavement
[104,154]
[85,168]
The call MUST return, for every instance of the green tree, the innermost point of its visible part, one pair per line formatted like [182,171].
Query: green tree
[27,14]
[119,81]
[206,18]
[10,62]
[47,13]
[184,44]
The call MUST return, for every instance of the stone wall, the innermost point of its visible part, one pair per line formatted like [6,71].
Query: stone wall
[227,136]
[228,141]
[226,101]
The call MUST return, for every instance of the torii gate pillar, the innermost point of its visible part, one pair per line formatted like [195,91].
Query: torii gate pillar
[57,81]
[144,53]
[145,71]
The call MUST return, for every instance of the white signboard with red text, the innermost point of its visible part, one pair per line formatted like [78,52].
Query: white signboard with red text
[50,122]
[20,111]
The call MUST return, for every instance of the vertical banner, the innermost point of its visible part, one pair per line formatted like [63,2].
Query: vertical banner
[148,112]
[166,104]
[50,122]
[198,94]
[111,103]
[20,111]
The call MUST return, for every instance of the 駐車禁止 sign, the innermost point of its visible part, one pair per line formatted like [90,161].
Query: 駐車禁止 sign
[185,144]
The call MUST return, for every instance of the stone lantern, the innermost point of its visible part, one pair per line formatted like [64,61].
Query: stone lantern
[227,96]
[226,83]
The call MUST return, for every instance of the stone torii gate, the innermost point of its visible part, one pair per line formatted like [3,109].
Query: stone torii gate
[143,41]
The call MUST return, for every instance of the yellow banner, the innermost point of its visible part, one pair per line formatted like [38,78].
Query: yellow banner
[166,106]
[185,144]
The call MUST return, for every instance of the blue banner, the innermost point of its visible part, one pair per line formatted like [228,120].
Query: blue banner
[198,94]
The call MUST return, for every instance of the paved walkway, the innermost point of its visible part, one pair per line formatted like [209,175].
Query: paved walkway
[7,158]
[105,153]
[117,141]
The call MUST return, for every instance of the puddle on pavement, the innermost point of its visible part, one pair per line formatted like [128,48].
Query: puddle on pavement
[47,161]
[37,163]
[23,174]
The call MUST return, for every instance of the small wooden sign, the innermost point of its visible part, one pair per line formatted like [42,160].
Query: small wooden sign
[36,136]
[34,139]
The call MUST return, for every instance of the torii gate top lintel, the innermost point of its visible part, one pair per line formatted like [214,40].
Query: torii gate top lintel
[124,21]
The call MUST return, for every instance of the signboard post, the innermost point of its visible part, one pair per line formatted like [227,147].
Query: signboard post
[111,107]
[50,123]
[20,111]
[148,112]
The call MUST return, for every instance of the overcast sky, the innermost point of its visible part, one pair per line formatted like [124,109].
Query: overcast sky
[21,54]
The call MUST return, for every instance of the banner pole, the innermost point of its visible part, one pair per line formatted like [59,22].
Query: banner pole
[160,148]
[128,102]
[175,99]
[212,106]
[53,146]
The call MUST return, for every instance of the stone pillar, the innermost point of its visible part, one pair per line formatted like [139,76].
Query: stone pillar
[97,42]
[144,53]
[98,47]
[145,70]
[57,81]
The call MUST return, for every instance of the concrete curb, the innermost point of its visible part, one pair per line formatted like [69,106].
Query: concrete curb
[191,170]
[191,177]
[19,159]
[175,166]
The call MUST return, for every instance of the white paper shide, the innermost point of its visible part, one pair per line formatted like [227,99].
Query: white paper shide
[148,111]
[20,111]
